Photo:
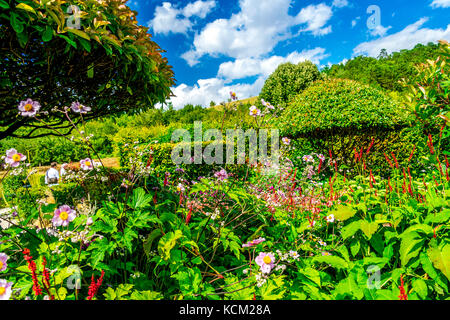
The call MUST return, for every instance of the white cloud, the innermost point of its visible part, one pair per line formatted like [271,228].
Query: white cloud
[214,89]
[199,8]
[315,17]
[218,89]
[355,21]
[248,67]
[340,3]
[379,31]
[170,19]
[405,39]
[440,4]
[257,29]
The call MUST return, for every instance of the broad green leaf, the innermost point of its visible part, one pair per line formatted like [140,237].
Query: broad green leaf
[348,288]
[334,261]
[146,295]
[167,242]
[350,230]
[369,228]
[79,33]
[354,248]
[420,287]
[4,4]
[25,7]
[439,217]
[440,257]
[48,34]
[410,246]
[343,212]
[431,271]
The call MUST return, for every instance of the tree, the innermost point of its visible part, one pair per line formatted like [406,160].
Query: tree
[97,55]
[287,81]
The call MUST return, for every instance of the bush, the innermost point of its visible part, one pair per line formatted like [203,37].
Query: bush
[287,81]
[343,115]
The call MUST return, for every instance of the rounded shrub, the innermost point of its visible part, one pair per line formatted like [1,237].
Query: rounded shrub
[344,116]
[287,81]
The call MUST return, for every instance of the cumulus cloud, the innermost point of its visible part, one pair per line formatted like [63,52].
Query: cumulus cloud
[213,89]
[440,4]
[256,29]
[248,67]
[405,39]
[170,19]
[340,3]
[379,30]
[218,89]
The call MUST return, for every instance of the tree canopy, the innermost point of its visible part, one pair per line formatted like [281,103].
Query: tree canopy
[91,51]
[387,70]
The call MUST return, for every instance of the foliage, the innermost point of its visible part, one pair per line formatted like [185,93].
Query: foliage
[344,116]
[387,70]
[287,81]
[109,62]
[428,94]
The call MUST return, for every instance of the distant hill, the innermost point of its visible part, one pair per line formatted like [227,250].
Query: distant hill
[385,71]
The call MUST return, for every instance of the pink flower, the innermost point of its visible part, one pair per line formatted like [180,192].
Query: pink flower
[63,216]
[286,141]
[3,259]
[253,242]
[86,164]
[221,175]
[79,108]
[5,289]
[254,111]
[267,104]
[265,261]
[13,158]
[29,108]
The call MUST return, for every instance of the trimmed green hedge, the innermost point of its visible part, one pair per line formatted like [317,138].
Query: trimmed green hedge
[344,115]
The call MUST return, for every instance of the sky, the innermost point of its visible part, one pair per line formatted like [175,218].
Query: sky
[218,46]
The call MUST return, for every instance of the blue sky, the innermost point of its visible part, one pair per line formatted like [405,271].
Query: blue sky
[216,46]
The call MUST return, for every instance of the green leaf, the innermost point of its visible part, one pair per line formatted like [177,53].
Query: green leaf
[369,228]
[440,257]
[439,217]
[343,212]
[79,33]
[348,288]
[4,4]
[168,242]
[48,34]
[149,241]
[350,229]
[16,24]
[420,287]
[25,7]
[334,261]
[146,295]
[354,248]
[140,199]
[90,71]
[431,271]
[410,246]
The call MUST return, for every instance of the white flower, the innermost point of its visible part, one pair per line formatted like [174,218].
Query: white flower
[330,218]
[254,111]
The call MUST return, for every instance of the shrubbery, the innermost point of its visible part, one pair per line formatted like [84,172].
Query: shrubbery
[344,116]
[287,81]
